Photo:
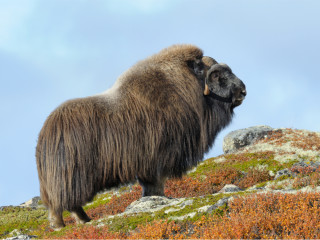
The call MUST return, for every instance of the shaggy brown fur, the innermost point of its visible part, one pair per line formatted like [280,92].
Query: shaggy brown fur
[154,123]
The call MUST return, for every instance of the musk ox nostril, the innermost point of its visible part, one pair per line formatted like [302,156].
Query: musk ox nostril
[243,92]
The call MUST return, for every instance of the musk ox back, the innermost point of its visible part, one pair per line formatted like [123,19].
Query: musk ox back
[155,122]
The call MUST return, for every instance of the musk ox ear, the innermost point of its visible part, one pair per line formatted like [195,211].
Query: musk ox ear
[213,74]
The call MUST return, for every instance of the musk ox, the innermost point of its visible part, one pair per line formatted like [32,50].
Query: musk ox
[156,122]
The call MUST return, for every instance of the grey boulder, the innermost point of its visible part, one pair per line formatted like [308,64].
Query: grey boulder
[244,137]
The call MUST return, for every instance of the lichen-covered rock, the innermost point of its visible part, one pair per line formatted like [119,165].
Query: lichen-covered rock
[5,207]
[186,203]
[33,203]
[244,137]
[311,166]
[25,237]
[220,203]
[16,234]
[230,188]
[283,172]
[151,204]
[288,145]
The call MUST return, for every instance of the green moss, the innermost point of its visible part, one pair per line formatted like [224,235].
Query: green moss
[283,177]
[205,167]
[127,223]
[243,162]
[24,219]
[98,200]
[261,185]
[124,189]
[289,164]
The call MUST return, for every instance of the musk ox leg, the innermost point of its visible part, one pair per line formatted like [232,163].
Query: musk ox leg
[80,215]
[152,189]
[56,220]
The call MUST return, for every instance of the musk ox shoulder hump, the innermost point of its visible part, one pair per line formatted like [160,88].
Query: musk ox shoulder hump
[182,52]
[160,79]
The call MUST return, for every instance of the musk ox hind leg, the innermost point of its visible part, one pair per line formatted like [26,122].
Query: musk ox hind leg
[80,215]
[155,188]
[55,219]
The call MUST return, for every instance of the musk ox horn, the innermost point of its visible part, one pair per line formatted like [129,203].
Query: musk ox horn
[206,89]
[208,62]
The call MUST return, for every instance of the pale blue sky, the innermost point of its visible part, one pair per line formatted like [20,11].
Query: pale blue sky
[54,50]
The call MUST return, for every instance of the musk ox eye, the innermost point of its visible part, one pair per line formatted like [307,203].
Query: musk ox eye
[223,81]
[215,74]
[227,74]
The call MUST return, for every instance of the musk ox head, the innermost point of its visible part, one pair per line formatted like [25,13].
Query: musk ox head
[223,85]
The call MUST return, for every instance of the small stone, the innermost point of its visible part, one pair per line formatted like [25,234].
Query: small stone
[204,208]
[186,203]
[172,210]
[283,172]
[222,201]
[218,204]
[230,188]
[271,173]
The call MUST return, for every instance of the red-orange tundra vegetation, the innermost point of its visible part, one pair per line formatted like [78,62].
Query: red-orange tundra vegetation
[292,216]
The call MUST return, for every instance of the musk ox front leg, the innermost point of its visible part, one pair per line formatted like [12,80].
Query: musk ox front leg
[155,188]
[55,219]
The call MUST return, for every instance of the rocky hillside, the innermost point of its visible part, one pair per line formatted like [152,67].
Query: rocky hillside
[266,185]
